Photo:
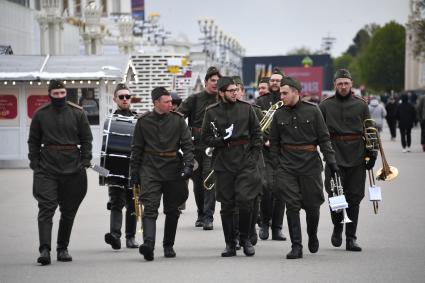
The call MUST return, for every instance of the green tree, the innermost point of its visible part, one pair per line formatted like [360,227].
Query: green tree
[381,62]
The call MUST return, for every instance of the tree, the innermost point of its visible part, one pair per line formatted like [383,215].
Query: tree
[381,62]
[303,50]
[418,27]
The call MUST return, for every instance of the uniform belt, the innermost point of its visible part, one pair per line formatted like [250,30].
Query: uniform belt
[163,153]
[61,146]
[196,130]
[301,147]
[347,137]
[237,142]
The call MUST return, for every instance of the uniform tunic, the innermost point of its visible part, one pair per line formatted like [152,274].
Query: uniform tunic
[298,175]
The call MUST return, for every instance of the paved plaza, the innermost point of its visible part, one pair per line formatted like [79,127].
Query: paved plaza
[393,241]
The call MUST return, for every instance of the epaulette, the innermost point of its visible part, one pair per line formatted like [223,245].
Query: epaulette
[309,102]
[359,97]
[255,105]
[212,105]
[330,96]
[140,116]
[243,101]
[43,106]
[177,113]
[74,105]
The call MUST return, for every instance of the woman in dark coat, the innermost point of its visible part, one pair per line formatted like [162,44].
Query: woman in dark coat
[406,117]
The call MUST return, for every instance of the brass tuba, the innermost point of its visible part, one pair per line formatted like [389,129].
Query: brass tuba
[373,143]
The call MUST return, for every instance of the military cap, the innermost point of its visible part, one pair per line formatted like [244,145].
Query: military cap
[277,71]
[158,92]
[264,80]
[223,82]
[342,73]
[121,86]
[237,80]
[291,82]
[211,72]
[55,84]
[175,97]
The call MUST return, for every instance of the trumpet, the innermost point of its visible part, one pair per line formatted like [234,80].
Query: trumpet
[337,191]
[268,116]
[138,207]
[373,143]
[209,181]
[209,150]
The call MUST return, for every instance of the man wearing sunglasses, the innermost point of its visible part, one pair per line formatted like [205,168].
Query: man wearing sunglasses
[237,146]
[120,195]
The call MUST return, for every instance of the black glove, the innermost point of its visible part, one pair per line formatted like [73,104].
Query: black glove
[134,180]
[86,163]
[370,162]
[334,168]
[34,166]
[187,172]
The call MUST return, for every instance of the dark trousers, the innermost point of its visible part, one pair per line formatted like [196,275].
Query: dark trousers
[423,133]
[118,198]
[392,124]
[406,137]
[205,200]
[51,191]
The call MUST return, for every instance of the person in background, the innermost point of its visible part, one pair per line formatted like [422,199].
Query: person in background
[421,116]
[391,109]
[377,113]
[406,118]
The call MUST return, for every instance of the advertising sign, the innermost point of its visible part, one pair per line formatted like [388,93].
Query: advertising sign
[311,79]
[35,101]
[8,107]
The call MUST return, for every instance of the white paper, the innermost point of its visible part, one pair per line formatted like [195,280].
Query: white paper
[375,193]
[338,202]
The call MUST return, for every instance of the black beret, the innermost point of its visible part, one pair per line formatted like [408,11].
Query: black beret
[55,84]
[342,73]
[158,92]
[291,82]
[264,80]
[277,71]
[237,80]
[121,86]
[224,82]
[211,72]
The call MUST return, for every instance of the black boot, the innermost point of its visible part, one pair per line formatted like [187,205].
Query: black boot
[294,227]
[229,235]
[149,233]
[264,231]
[312,218]
[244,226]
[336,238]
[113,238]
[351,228]
[277,220]
[170,228]
[64,234]
[236,227]
[63,255]
[253,236]
[130,230]
[45,237]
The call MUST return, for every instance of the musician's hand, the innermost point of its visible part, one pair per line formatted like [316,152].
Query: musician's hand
[334,168]
[86,163]
[229,132]
[187,172]
[370,162]
[134,180]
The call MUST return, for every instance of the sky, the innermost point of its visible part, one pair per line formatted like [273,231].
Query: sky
[274,27]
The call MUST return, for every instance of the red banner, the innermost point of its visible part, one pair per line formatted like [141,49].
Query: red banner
[8,106]
[35,101]
[311,79]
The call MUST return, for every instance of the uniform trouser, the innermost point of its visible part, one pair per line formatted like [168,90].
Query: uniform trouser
[118,198]
[353,183]
[272,207]
[205,200]
[300,191]
[392,124]
[406,137]
[174,193]
[51,191]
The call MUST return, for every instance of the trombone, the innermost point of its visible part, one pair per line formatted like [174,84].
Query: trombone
[138,207]
[209,181]
[268,116]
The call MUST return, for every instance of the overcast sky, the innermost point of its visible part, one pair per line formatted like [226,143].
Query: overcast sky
[274,27]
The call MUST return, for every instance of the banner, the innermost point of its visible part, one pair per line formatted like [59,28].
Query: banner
[311,79]
[34,102]
[8,106]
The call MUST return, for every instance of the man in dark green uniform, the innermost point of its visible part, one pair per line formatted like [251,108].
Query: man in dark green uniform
[120,194]
[272,208]
[194,109]
[296,131]
[60,147]
[237,148]
[253,236]
[160,169]
[344,114]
